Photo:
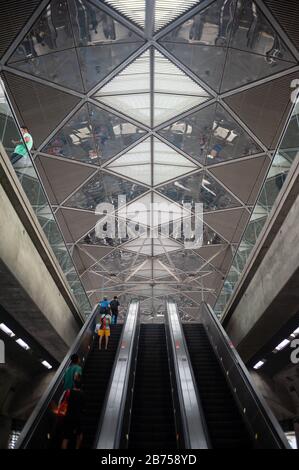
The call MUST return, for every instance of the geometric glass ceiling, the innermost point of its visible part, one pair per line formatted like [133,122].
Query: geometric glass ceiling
[164,111]
[152,90]
[152,162]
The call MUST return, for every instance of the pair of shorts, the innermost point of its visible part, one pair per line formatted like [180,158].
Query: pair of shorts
[104,332]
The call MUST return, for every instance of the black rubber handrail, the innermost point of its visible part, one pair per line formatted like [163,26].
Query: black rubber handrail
[53,388]
[263,426]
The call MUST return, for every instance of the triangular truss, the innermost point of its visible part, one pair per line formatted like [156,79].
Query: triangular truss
[159,106]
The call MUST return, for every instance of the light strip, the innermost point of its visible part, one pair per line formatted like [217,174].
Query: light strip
[46,364]
[259,364]
[295,332]
[282,345]
[6,330]
[22,344]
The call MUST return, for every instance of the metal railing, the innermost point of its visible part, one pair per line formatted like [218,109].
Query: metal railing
[111,422]
[262,425]
[38,431]
[192,417]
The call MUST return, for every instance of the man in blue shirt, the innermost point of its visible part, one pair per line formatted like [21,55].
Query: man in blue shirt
[74,372]
[104,306]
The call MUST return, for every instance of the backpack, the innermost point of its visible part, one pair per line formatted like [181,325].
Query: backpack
[104,310]
[63,406]
[103,321]
[113,305]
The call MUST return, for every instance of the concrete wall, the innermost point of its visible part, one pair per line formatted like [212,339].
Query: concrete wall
[33,288]
[276,396]
[27,290]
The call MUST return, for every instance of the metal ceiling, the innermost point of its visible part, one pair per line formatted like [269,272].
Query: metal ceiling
[180,102]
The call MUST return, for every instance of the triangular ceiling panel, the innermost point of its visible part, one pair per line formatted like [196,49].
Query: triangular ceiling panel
[81,260]
[230,224]
[152,210]
[239,61]
[104,29]
[223,260]
[104,188]
[203,54]
[137,163]
[134,11]
[265,107]
[60,67]
[14,16]
[210,252]
[96,252]
[152,246]
[200,188]
[244,178]
[165,12]
[241,53]
[211,135]
[286,14]
[113,55]
[212,281]
[187,261]
[53,173]
[93,281]
[43,40]
[32,99]
[173,92]
[129,91]
[119,261]
[168,163]
[262,47]
[74,224]
[93,135]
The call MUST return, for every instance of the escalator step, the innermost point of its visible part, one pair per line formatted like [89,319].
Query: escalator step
[224,421]
[152,421]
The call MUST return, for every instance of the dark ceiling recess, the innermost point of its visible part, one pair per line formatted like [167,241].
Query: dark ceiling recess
[14,16]
[30,358]
[275,362]
[286,13]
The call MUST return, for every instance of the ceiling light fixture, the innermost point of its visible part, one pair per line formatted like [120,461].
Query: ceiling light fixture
[259,364]
[46,364]
[282,345]
[295,332]
[22,344]
[6,330]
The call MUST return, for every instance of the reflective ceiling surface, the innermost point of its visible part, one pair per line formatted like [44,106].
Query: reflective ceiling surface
[164,99]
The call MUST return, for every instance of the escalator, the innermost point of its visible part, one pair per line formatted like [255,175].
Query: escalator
[43,429]
[152,420]
[225,425]
[95,381]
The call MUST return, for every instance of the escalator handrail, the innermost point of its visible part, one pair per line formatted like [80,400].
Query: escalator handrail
[196,434]
[265,411]
[49,393]
[103,428]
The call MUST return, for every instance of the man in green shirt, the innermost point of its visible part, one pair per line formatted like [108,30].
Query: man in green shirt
[74,372]
[21,149]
